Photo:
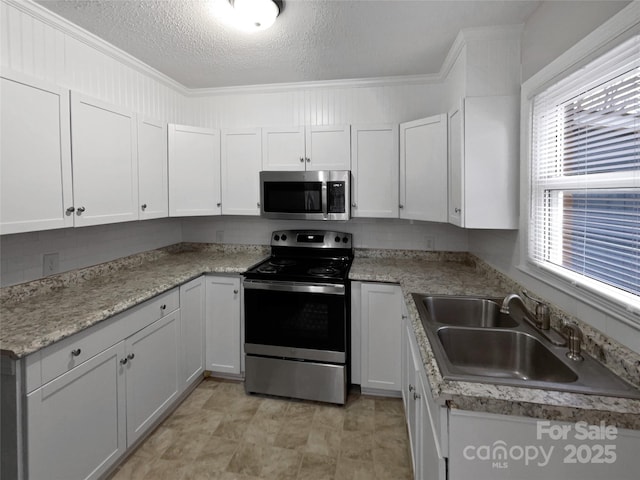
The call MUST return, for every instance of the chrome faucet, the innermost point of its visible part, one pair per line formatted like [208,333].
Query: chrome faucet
[574,336]
[541,320]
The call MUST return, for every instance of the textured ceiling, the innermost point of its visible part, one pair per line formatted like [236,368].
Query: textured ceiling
[311,39]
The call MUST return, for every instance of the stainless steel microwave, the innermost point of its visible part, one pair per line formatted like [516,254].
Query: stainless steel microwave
[317,195]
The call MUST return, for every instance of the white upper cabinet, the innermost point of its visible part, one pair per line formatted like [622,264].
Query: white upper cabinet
[35,156]
[105,162]
[310,148]
[423,169]
[194,171]
[153,182]
[483,163]
[241,163]
[328,147]
[375,169]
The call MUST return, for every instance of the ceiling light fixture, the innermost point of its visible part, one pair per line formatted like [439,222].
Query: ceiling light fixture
[247,15]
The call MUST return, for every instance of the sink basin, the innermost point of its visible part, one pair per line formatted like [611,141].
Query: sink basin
[473,342]
[502,354]
[467,312]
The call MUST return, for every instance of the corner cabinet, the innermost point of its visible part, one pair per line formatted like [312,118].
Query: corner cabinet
[423,169]
[105,162]
[241,162]
[223,325]
[192,330]
[484,163]
[375,169]
[35,155]
[153,179]
[319,147]
[194,171]
[380,330]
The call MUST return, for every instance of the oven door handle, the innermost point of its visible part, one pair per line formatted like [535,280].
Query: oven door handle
[325,288]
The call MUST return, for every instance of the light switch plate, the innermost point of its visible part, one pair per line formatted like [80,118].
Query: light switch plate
[50,263]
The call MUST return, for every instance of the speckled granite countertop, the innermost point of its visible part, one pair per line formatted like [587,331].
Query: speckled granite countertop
[461,274]
[40,313]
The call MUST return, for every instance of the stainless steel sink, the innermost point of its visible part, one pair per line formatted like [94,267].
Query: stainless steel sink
[472,341]
[502,354]
[467,312]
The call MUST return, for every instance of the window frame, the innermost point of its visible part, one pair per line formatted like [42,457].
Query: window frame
[609,300]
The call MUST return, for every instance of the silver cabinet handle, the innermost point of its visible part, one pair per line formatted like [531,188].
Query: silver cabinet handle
[411,388]
[76,352]
[235,291]
[123,361]
[354,205]
[258,204]
[79,210]
[131,356]
[70,210]
[218,204]
[163,307]
[401,206]
[143,206]
[308,160]
[416,396]
[301,159]
[457,210]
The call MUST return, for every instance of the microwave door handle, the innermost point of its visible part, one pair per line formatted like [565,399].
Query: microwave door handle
[325,205]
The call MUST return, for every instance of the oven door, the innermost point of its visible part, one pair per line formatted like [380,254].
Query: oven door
[295,320]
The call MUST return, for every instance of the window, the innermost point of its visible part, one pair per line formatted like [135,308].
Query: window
[585,176]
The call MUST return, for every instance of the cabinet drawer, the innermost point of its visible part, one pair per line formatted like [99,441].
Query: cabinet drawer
[76,349]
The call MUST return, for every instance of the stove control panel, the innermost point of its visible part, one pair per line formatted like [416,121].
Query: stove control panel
[311,239]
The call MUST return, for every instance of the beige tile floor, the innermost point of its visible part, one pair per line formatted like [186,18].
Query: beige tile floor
[221,433]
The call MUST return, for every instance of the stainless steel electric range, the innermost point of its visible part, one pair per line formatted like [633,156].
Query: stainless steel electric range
[297,317]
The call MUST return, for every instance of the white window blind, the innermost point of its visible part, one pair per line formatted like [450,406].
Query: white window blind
[585,175]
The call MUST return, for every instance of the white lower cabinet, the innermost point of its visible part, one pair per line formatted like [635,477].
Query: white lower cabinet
[223,324]
[152,373]
[380,326]
[192,341]
[76,424]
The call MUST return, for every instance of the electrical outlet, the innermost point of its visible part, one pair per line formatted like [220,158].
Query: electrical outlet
[219,236]
[429,243]
[50,263]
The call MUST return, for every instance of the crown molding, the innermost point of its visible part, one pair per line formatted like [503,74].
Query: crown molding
[63,25]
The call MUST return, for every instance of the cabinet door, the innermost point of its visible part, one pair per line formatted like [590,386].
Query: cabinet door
[241,164]
[35,155]
[153,183]
[429,465]
[456,166]
[410,378]
[105,162]
[423,169]
[283,148]
[381,336]
[375,169]
[192,340]
[76,424]
[223,325]
[328,147]
[152,373]
[194,171]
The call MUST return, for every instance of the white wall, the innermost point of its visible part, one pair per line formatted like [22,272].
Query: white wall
[21,254]
[367,233]
[542,43]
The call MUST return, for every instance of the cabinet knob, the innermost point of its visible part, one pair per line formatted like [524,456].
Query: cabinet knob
[410,388]
[163,307]
[70,210]
[131,356]
[123,361]
[401,206]
[80,210]
[143,206]
[416,396]
[218,204]
[404,317]
[235,291]
[76,352]
[457,210]
[354,205]
[308,160]
[301,159]
[258,204]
